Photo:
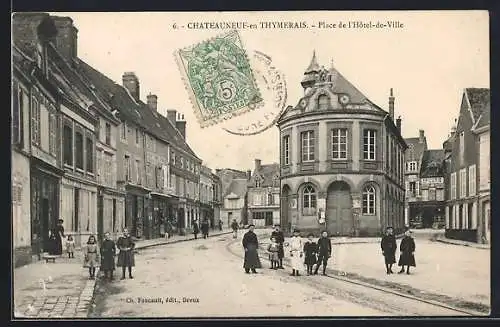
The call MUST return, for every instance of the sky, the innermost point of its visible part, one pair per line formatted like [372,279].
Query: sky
[428,62]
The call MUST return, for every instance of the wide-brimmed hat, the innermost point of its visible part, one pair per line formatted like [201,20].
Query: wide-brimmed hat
[296,230]
[389,227]
[310,234]
[251,225]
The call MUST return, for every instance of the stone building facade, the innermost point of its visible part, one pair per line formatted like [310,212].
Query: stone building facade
[342,159]
[264,195]
[468,207]
[86,149]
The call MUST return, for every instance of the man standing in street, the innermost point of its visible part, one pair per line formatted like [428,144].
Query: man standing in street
[196,229]
[388,245]
[324,251]
[251,245]
[280,239]
[204,228]
[234,226]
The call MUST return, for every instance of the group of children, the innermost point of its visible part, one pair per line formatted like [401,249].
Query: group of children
[104,256]
[313,253]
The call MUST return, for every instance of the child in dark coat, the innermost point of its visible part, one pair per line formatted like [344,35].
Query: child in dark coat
[407,248]
[310,251]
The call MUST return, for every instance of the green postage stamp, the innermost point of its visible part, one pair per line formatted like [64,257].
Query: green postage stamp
[219,79]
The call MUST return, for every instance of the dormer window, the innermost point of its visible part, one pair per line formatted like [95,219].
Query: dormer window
[257,182]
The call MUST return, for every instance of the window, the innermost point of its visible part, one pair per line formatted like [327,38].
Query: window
[182,162]
[108,134]
[270,199]
[413,189]
[79,150]
[124,131]
[126,169]
[462,147]
[453,186]
[173,157]
[90,154]
[17,112]
[52,134]
[369,139]
[138,171]
[286,150]
[369,200]
[35,122]
[137,136]
[440,195]
[472,180]
[412,166]
[68,145]
[463,183]
[339,143]
[323,102]
[309,200]
[307,141]
[257,182]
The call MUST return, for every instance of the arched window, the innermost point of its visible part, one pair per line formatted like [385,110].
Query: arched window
[323,102]
[369,200]
[309,200]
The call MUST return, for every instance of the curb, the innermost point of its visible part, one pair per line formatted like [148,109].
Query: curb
[461,244]
[138,247]
[86,297]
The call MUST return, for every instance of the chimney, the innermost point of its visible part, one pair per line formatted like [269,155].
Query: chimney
[172,116]
[398,124]
[257,164]
[391,104]
[180,124]
[152,100]
[421,136]
[25,29]
[454,127]
[249,174]
[67,37]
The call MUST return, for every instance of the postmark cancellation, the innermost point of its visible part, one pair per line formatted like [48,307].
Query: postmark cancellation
[219,79]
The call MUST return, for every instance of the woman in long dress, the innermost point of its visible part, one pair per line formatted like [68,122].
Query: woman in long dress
[296,253]
[251,245]
[59,234]
[407,249]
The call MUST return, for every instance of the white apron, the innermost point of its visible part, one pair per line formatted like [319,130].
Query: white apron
[296,248]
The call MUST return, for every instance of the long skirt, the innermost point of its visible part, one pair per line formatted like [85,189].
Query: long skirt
[407,259]
[108,262]
[310,259]
[390,258]
[126,259]
[58,245]
[281,251]
[252,260]
[296,261]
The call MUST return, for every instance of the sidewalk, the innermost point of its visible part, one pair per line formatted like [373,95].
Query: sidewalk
[62,289]
[447,273]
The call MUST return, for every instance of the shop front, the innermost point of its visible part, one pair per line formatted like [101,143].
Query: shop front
[44,191]
[161,213]
[137,212]
[110,212]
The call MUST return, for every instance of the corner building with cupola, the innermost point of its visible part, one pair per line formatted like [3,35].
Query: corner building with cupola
[341,160]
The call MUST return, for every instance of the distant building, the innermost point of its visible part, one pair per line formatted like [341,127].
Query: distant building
[424,184]
[264,195]
[217,202]
[235,202]
[342,165]
[468,199]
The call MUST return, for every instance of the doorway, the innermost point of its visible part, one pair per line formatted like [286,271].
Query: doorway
[339,219]
[45,224]
[100,218]
[487,220]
